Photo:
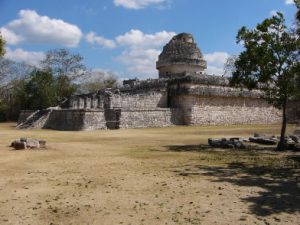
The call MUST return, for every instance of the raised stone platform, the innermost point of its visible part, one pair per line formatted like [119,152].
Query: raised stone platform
[182,95]
[160,103]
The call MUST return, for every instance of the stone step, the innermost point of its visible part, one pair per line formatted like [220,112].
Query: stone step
[33,119]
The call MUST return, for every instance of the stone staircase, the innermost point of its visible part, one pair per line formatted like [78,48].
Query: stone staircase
[35,120]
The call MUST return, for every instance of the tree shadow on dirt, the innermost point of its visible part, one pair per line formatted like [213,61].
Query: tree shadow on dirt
[188,148]
[281,186]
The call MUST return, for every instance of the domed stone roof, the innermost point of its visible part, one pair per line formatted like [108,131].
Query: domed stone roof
[180,55]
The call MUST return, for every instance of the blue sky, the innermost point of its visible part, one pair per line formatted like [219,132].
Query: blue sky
[126,36]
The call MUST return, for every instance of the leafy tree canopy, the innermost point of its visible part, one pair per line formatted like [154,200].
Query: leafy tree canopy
[2,44]
[271,58]
[39,91]
[297,2]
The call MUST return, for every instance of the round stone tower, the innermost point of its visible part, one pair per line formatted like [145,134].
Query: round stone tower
[179,57]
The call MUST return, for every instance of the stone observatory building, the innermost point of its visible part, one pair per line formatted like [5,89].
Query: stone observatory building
[182,95]
[179,57]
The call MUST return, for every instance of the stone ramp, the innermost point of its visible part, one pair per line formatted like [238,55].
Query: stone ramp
[35,120]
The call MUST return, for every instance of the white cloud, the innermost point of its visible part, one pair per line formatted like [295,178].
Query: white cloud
[30,27]
[142,50]
[215,62]
[216,58]
[138,4]
[289,2]
[10,37]
[213,70]
[139,39]
[274,12]
[20,55]
[92,38]
[140,61]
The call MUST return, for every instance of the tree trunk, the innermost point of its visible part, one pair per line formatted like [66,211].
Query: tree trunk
[282,145]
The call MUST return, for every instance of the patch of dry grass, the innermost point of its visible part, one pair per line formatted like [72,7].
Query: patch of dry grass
[145,176]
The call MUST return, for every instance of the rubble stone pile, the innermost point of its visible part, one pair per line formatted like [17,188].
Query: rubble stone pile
[227,143]
[28,143]
[292,142]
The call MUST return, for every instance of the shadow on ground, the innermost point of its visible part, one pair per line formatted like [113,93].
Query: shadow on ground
[281,185]
[188,148]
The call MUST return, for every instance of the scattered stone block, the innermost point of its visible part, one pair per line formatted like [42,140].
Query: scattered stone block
[31,143]
[292,142]
[19,145]
[13,143]
[233,143]
[28,143]
[295,138]
[42,143]
[263,141]
[234,139]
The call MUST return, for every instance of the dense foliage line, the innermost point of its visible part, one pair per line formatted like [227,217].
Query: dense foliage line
[58,76]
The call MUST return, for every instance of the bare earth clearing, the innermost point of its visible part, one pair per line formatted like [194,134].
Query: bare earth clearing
[145,176]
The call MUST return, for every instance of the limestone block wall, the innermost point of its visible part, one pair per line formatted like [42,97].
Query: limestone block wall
[112,118]
[86,102]
[147,100]
[233,115]
[75,119]
[70,119]
[174,70]
[200,110]
[150,118]
[144,100]
[94,120]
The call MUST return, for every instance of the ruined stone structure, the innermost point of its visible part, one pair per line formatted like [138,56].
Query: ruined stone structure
[180,56]
[183,95]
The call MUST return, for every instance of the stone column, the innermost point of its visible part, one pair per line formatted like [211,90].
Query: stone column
[87,102]
[100,102]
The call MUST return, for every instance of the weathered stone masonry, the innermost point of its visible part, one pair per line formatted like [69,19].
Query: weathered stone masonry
[178,101]
[183,95]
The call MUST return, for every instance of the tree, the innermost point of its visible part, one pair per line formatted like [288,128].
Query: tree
[39,91]
[66,67]
[96,80]
[229,67]
[12,76]
[271,58]
[2,43]
[61,62]
[297,3]
[11,70]
[64,87]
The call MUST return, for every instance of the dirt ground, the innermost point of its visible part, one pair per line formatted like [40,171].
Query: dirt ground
[145,176]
